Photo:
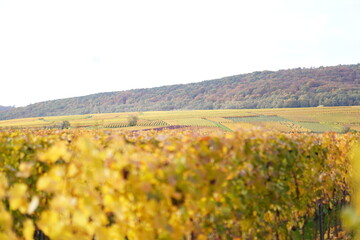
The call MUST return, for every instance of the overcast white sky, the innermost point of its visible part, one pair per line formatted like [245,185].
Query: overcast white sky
[56,49]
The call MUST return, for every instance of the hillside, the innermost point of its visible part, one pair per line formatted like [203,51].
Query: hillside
[301,87]
[3,108]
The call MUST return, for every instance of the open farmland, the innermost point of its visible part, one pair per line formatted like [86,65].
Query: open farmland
[317,120]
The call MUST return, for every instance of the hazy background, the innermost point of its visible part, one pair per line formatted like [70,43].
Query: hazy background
[56,49]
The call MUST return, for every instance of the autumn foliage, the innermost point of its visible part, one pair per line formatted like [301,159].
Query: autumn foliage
[81,184]
[292,88]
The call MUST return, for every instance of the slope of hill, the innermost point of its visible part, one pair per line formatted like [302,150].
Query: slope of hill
[3,108]
[328,86]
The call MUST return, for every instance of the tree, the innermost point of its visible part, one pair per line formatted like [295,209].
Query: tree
[132,120]
[65,125]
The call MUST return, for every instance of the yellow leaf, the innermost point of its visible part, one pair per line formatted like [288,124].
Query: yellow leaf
[224,149]
[29,229]
[72,170]
[80,219]
[17,197]
[62,202]
[44,183]
[3,185]
[109,201]
[201,237]
[25,169]
[113,233]
[171,148]
[7,236]
[245,224]
[51,224]
[5,220]
[53,181]
[54,153]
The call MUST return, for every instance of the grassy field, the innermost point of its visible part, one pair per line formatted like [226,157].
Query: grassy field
[320,119]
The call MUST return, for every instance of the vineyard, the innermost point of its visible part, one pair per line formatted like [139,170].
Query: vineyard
[197,122]
[174,184]
[142,123]
[315,120]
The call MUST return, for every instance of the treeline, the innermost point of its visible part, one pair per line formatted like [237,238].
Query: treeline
[300,87]
[3,108]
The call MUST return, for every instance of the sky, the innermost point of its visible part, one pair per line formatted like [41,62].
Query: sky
[57,49]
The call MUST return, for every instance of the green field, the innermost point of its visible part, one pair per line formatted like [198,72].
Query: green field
[319,119]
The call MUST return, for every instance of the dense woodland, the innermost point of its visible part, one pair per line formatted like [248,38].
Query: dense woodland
[3,108]
[300,87]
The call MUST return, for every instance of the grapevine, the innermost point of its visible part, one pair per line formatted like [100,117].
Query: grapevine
[108,184]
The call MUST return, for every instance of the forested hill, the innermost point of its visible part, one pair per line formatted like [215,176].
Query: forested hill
[328,86]
[3,108]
